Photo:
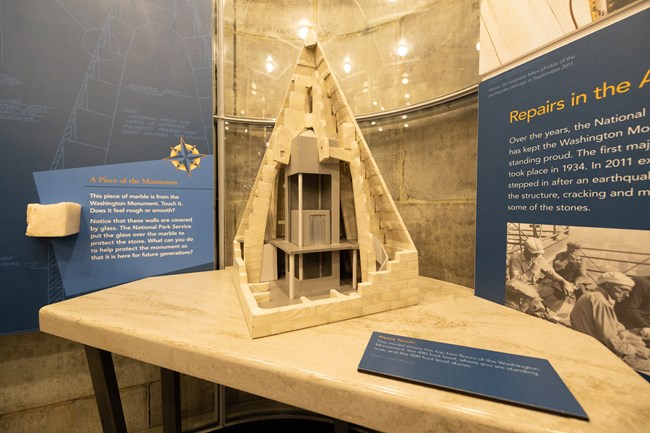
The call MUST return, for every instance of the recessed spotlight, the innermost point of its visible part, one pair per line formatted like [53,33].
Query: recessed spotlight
[347,66]
[270,65]
[303,29]
[402,48]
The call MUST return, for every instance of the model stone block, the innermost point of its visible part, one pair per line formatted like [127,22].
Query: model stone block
[53,220]
[320,239]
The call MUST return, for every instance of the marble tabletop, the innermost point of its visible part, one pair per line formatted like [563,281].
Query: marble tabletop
[193,324]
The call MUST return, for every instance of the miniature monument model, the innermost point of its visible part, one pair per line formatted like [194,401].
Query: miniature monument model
[319,210]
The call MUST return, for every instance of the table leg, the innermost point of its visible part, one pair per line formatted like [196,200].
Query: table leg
[292,270]
[170,382]
[354,269]
[107,394]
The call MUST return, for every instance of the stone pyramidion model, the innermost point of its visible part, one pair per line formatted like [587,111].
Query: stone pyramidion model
[319,210]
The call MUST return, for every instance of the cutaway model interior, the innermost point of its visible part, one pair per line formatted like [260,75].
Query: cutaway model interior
[320,239]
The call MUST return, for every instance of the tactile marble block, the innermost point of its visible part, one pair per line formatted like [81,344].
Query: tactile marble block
[53,220]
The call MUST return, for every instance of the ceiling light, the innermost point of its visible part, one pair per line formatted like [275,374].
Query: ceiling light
[270,66]
[347,66]
[303,29]
[478,46]
[402,48]
[405,80]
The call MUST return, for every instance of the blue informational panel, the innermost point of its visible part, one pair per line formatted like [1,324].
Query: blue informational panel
[564,153]
[107,103]
[138,219]
[520,380]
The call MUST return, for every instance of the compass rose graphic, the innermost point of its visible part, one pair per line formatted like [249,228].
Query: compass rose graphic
[185,157]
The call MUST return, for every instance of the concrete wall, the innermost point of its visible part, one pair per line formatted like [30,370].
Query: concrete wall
[430,169]
[45,387]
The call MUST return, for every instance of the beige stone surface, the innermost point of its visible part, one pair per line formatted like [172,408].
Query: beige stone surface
[53,220]
[193,323]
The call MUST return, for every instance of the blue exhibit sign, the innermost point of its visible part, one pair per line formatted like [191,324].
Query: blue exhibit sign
[87,85]
[564,141]
[137,220]
[515,379]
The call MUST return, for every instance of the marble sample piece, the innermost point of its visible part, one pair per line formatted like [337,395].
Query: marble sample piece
[53,220]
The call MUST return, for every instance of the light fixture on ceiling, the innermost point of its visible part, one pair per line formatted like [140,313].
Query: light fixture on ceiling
[405,79]
[347,66]
[402,48]
[478,46]
[270,65]
[303,29]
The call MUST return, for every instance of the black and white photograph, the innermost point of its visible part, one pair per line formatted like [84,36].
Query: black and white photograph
[593,280]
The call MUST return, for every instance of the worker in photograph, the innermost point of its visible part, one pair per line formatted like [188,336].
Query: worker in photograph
[594,314]
[523,297]
[634,311]
[530,266]
[572,266]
